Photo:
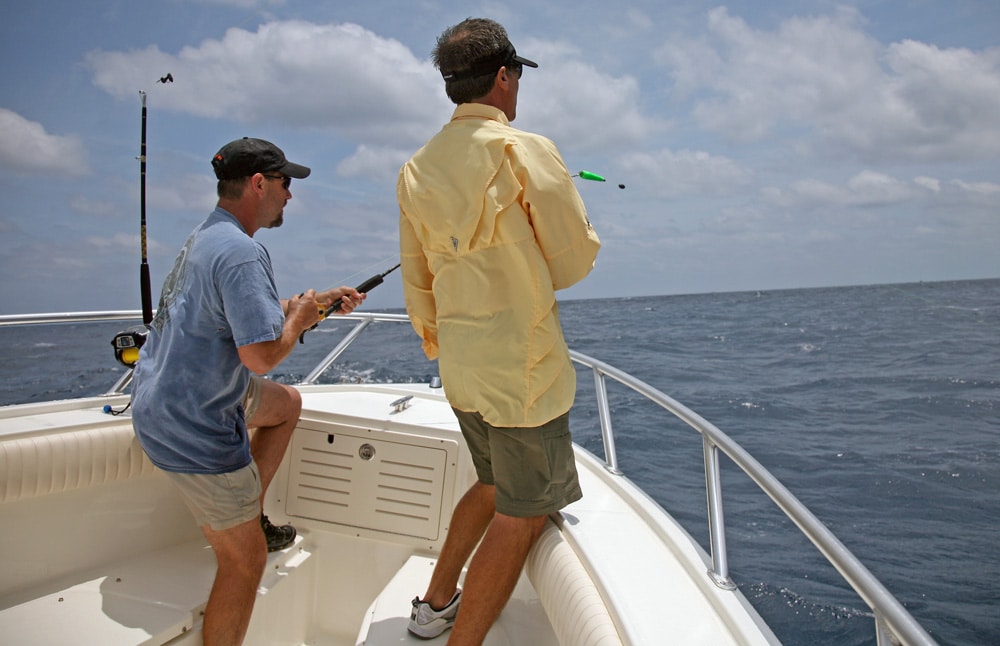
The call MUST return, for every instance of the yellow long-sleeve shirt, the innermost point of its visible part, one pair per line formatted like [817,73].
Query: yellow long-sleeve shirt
[490,226]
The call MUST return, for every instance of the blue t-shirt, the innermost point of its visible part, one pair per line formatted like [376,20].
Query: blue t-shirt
[189,382]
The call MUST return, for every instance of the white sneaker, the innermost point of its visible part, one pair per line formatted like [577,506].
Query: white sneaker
[427,623]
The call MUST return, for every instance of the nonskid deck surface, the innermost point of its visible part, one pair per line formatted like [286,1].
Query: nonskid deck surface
[352,570]
[523,620]
[148,599]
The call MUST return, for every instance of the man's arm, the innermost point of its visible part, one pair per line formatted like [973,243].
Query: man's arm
[557,213]
[301,313]
[418,287]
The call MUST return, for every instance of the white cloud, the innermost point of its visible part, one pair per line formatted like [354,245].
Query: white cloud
[579,107]
[25,147]
[118,243]
[669,174]
[191,193]
[244,4]
[104,208]
[979,188]
[826,77]
[873,189]
[929,183]
[381,163]
[370,90]
[340,78]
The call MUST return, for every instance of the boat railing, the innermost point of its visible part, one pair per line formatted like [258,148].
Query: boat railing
[893,623]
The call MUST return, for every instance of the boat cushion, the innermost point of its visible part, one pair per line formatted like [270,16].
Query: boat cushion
[567,592]
[45,464]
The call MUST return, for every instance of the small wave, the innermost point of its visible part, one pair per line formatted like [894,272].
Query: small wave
[829,623]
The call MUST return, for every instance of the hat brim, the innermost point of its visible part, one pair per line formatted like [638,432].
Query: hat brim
[525,61]
[295,171]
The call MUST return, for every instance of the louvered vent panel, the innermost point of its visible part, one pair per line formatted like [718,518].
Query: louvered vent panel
[398,489]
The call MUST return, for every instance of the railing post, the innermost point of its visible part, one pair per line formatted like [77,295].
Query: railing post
[604,412]
[121,384]
[716,523]
[883,635]
[348,339]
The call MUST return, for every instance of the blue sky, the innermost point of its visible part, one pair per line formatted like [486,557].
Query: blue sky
[763,145]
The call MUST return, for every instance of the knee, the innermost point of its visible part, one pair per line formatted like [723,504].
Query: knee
[286,405]
[247,564]
[294,401]
[529,526]
[537,524]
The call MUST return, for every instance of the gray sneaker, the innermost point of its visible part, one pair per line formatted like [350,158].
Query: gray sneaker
[427,623]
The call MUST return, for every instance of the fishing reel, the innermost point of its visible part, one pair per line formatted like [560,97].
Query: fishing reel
[127,344]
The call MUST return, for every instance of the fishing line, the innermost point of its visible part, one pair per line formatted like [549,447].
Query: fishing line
[364,287]
[366,269]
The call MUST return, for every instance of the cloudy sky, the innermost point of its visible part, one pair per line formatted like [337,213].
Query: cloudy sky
[763,144]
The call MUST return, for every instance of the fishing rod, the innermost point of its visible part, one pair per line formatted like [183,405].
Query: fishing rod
[364,288]
[593,177]
[127,343]
[144,286]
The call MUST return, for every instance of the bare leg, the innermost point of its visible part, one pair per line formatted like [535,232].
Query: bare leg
[468,523]
[241,554]
[492,575]
[275,419]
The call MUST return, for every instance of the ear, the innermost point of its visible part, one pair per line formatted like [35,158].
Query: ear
[257,183]
[502,78]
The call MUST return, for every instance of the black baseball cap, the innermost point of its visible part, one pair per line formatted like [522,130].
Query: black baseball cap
[506,57]
[245,157]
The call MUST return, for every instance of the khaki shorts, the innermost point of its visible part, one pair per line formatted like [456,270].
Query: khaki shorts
[251,398]
[225,500]
[533,469]
[221,500]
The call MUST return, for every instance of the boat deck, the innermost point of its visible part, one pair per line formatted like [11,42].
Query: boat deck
[96,543]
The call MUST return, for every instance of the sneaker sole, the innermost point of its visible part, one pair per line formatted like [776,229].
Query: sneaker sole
[429,632]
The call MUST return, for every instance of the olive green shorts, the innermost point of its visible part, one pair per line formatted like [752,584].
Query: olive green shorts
[533,469]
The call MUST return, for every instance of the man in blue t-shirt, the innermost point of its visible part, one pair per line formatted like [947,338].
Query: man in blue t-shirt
[197,389]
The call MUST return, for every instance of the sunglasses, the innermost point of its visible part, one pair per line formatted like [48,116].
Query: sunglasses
[285,181]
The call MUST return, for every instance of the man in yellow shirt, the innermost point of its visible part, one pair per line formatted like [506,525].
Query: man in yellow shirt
[490,226]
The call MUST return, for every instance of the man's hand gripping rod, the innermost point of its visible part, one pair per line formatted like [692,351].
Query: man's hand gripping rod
[364,288]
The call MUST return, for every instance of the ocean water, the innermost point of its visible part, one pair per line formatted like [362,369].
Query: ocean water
[877,406]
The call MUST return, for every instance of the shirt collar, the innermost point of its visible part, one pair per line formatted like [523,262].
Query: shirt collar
[223,213]
[479,111]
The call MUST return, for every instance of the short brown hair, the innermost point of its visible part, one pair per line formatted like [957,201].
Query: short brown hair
[458,46]
[232,189]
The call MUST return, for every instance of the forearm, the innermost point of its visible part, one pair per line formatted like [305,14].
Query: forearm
[265,356]
[301,313]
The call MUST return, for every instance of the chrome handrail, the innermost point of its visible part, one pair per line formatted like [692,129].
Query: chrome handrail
[69,317]
[892,620]
[893,623]
[367,319]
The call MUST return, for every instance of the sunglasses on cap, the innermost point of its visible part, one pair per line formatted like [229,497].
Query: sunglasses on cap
[507,57]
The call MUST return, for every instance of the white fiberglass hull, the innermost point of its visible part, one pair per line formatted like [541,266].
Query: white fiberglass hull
[96,547]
